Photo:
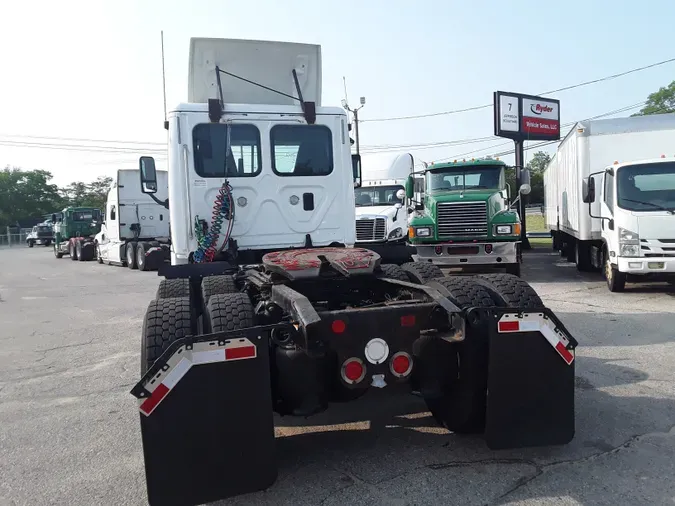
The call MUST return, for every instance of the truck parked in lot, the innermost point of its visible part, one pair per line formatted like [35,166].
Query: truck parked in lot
[464,218]
[42,233]
[610,198]
[267,306]
[382,208]
[135,232]
[74,231]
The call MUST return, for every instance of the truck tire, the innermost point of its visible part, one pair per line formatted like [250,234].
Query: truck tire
[616,281]
[421,272]
[72,249]
[172,288]
[88,252]
[394,271]
[130,254]
[78,251]
[165,321]
[57,252]
[507,290]
[228,311]
[31,244]
[453,376]
[217,285]
[47,243]
[141,258]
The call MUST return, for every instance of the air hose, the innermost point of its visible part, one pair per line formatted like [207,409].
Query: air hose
[207,240]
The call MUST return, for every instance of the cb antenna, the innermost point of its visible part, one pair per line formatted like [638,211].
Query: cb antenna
[166,122]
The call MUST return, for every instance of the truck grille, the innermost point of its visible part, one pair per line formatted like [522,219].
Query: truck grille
[369,229]
[462,219]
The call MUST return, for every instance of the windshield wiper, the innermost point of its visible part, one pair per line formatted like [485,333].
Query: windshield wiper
[671,211]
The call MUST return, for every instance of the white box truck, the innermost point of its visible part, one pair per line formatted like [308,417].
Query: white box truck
[135,232]
[610,198]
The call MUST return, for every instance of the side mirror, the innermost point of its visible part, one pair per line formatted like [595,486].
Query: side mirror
[410,187]
[356,170]
[525,187]
[400,195]
[588,190]
[148,174]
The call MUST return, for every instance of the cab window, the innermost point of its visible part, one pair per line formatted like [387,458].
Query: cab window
[301,150]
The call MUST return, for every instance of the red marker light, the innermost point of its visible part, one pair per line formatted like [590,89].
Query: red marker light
[408,320]
[400,364]
[338,326]
[353,370]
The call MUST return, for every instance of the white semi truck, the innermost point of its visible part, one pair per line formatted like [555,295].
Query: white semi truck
[135,231]
[610,198]
[267,306]
[382,209]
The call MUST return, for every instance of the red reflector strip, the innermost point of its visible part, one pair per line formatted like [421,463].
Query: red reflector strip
[408,320]
[564,353]
[240,352]
[155,398]
[507,326]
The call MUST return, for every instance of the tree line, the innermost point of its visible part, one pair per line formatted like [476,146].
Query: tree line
[27,195]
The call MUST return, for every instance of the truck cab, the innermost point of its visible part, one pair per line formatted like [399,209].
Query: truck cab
[637,213]
[42,233]
[464,219]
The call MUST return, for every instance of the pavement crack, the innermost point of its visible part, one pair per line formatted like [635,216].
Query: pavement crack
[76,345]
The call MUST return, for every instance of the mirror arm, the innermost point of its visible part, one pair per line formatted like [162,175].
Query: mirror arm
[164,204]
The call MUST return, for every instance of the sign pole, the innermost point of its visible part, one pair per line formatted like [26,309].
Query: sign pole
[520,160]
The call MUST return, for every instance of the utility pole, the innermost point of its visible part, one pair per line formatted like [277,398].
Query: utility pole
[520,165]
[355,112]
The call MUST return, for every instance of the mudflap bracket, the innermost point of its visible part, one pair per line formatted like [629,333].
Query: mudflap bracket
[530,400]
[206,418]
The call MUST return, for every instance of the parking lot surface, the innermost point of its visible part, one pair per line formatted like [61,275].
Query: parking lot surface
[69,431]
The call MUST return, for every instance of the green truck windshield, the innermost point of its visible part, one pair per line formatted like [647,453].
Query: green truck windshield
[461,178]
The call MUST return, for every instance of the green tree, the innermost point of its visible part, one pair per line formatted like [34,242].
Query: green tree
[659,102]
[94,194]
[26,194]
[536,166]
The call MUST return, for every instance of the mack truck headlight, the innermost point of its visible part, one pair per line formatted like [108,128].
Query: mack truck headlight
[629,243]
[423,231]
[396,233]
[504,229]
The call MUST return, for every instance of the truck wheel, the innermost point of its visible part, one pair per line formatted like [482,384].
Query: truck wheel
[513,269]
[88,252]
[72,249]
[453,376]
[421,272]
[165,321]
[141,259]
[171,288]
[507,290]
[131,255]
[394,271]
[616,281]
[31,244]
[57,252]
[47,243]
[582,257]
[217,285]
[228,311]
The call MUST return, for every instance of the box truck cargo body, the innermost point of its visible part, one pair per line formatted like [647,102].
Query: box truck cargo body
[586,219]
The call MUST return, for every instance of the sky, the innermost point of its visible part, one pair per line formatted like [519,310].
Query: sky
[76,75]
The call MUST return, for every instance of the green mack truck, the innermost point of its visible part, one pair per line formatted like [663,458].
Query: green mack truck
[464,219]
[74,231]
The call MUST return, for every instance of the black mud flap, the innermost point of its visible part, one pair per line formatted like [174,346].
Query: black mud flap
[206,419]
[530,380]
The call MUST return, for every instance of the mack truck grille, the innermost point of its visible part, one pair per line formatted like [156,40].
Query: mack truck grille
[369,229]
[465,219]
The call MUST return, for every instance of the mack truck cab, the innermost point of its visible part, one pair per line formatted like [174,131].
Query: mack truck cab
[74,231]
[464,219]
[635,204]
[268,307]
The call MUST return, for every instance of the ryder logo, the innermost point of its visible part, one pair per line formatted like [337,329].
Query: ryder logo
[539,109]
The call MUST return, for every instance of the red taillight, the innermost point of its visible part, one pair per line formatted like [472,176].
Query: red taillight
[353,370]
[338,326]
[400,364]
[509,326]
[408,320]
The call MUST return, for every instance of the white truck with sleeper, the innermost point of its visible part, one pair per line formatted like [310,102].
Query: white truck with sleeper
[610,198]
[382,209]
[267,306]
[135,230]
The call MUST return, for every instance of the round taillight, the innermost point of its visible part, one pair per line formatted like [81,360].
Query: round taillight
[338,326]
[353,370]
[401,364]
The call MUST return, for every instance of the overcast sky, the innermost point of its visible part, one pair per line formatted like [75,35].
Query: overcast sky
[90,71]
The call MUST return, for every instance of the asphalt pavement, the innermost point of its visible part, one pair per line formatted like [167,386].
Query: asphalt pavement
[69,431]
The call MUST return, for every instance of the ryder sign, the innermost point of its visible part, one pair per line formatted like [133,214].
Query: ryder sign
[526,117]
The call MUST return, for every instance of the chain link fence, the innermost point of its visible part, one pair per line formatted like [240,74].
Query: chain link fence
[14,238]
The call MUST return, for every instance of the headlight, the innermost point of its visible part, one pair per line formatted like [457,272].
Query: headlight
[629,250]
[628,237]
[423,232]
[504,229]
[396,233]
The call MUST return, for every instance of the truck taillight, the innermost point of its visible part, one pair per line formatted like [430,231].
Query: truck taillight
[353,370]
[400,364]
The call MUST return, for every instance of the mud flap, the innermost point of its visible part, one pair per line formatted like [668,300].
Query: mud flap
[530,398]
[206,419]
